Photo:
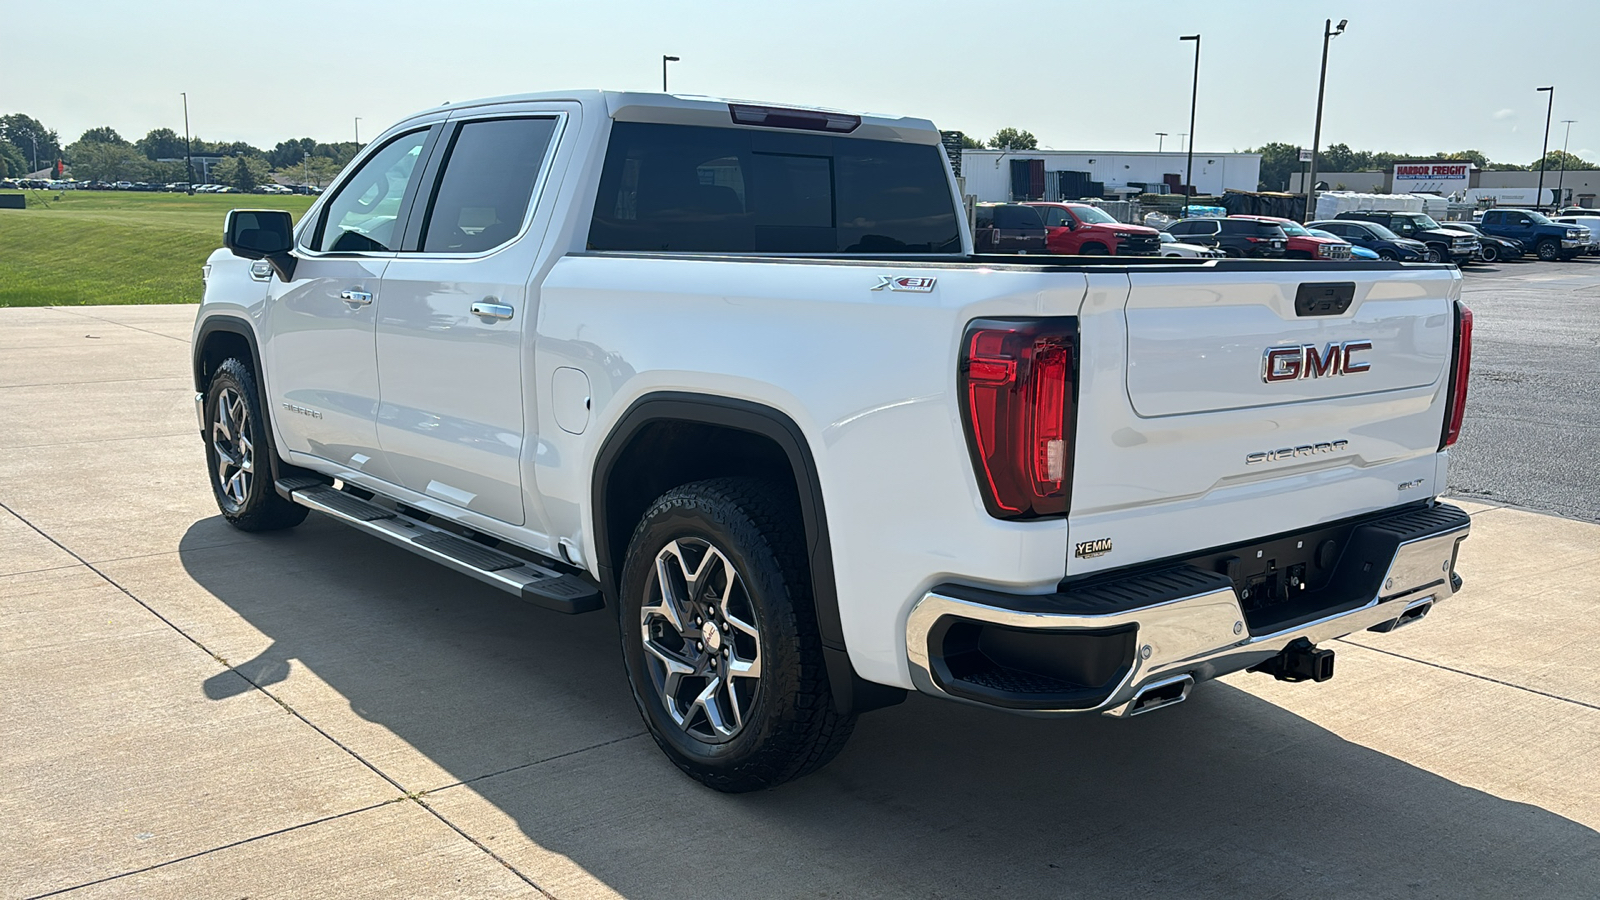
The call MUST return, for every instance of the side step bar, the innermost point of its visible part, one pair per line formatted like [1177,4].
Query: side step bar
[535,584]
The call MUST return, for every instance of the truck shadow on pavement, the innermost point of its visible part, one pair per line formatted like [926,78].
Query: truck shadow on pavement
[528,715]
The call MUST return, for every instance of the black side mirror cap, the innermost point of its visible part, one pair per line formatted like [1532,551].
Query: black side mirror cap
[262,234]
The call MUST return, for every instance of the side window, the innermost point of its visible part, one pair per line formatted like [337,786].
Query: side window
[1055,217]
[490,170]
[364,215]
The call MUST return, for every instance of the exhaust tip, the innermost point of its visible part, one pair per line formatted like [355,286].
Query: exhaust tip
[1161,693]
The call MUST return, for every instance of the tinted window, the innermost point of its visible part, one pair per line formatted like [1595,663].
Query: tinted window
[363,216]
[1025,217]
[490,169]
[735,190]
[1383,233]
[1055,217]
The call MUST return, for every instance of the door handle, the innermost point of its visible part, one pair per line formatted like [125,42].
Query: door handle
[356,298]
[491,310]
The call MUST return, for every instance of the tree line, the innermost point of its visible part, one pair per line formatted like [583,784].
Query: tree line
[101,154]
[1279,161]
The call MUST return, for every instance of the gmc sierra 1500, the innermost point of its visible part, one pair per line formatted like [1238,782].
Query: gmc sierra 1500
[733,372]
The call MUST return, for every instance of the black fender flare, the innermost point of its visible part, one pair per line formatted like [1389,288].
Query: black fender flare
[238,325]
[851,693]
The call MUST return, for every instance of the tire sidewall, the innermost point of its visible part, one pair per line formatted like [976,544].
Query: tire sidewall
[1491,253]
[708,519]
[229,376]
[1548,251]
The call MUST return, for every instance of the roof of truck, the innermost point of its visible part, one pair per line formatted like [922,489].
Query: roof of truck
[690,109]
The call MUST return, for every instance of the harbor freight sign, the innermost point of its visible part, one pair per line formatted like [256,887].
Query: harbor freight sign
[1432,177]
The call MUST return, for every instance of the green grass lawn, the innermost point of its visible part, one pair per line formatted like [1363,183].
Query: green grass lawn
[93,247]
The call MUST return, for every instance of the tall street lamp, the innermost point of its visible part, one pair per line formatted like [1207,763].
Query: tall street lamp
[358,132]
[1544,151]
[664,60]
[1194,97]
[1161,139]
[1328,34]
[1562,180]
[188,157]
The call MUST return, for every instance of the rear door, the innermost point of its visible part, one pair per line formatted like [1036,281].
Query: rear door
[453,338]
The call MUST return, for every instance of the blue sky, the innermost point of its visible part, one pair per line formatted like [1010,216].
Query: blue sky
[1407,76]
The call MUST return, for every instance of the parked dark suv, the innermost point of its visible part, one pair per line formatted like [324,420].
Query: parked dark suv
[1376,238]
[1234,237]
[1443,244]
[1009,228]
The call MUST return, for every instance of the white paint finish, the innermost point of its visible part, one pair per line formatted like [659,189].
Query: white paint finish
[569,399]
[318,352]
[1198,346]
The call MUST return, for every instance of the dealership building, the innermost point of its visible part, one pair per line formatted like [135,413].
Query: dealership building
[1578,187]
[1006,175]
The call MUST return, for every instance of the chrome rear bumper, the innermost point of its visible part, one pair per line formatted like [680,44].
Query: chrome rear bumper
[1196,626]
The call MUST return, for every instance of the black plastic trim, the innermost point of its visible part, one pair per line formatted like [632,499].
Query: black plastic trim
[851,692]
[240,326]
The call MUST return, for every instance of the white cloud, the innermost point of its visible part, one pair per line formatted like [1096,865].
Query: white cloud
[1504,113]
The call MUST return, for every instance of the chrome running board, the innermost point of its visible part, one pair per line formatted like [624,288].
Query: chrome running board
[535,584]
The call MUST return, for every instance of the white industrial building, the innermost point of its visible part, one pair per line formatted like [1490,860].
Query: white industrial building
[991,174]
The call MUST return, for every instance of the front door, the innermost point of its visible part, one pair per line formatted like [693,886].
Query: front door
[323,374]
[453,334]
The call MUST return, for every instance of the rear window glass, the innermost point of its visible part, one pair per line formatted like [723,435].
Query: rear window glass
[1017,217]
[735,190]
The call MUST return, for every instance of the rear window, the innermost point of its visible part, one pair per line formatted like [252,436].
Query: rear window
[1017,217]
[734,190]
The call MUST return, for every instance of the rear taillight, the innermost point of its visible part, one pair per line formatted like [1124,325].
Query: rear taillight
[1016,380]
[1457,403]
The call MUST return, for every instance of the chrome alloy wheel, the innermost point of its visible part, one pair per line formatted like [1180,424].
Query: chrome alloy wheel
[701,642]
[233,441]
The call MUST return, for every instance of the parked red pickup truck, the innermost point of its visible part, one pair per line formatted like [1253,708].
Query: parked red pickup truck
[1303,244]
[1080,228]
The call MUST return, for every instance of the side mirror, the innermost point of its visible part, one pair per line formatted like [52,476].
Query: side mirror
[262,234]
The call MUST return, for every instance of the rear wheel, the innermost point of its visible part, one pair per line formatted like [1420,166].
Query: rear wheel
[1549,251]
[1232,253]
[720,639]
[237,454]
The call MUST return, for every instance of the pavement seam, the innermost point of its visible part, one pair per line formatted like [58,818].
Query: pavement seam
[121,324]
[136,437]
[199,853]
[415,797]
[32,384]
[537,762]
[1509,684]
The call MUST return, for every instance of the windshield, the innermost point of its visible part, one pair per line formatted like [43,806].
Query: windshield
[1423,221]
[1539,218]
[1293,229]
[1167,238]
[1089,215]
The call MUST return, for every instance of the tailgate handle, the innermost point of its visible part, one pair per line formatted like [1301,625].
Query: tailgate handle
[1327,298]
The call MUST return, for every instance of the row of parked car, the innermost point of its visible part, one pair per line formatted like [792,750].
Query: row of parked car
[179,187]
[1082,228]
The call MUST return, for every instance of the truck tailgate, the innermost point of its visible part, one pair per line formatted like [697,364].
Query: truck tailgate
[1213,411]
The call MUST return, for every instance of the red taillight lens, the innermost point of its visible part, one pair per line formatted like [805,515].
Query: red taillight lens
[1016,382]
[1457,404]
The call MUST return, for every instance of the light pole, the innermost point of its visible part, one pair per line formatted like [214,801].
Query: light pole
[1161,138]
[664,60]
[1538,199]
[358,132]
[306,168]
[1194,97]
[1181,136]
[1328,34]
[188,156]
[1562,180]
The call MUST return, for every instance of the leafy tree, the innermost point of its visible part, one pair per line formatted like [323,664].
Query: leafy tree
[1553,159]
[93,161]
[1473,156]
[26,134]
[243,172]
[105,134]
[1011,139]
[1278,162]
[290,153]
[161,143]
[12,163]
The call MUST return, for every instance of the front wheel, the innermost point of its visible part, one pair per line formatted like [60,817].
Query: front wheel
[720,639]
[1386,254]
[1435,254]
[1491,253]
[1549,251]
[237,451]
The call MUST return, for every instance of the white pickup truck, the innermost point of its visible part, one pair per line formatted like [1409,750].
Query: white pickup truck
[733,373]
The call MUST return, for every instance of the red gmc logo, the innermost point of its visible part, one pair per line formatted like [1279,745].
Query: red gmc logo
[1306,361]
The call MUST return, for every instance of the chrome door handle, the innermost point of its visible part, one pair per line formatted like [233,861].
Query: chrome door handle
[356,298]
[492,310]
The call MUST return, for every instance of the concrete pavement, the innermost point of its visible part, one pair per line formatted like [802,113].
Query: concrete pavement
[189,711]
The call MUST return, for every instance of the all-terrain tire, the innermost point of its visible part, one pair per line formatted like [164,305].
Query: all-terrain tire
[238,453]
[790,727]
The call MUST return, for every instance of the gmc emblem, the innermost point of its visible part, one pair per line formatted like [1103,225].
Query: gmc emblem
[1306,361]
